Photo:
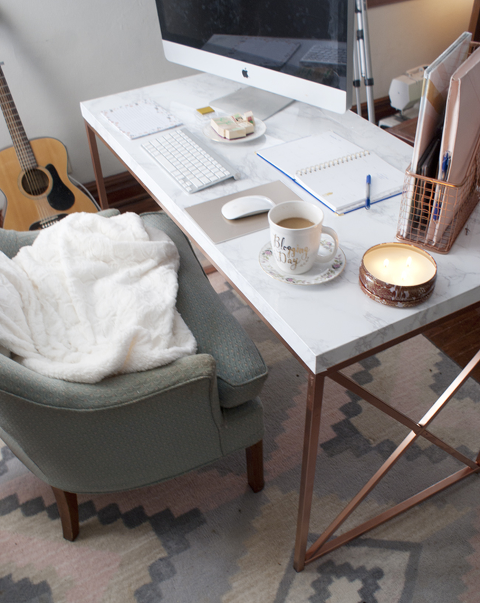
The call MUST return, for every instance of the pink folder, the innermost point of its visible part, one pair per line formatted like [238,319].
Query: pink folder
[460,134]
[462,118]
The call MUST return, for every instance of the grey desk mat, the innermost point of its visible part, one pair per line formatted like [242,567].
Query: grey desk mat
[208,215]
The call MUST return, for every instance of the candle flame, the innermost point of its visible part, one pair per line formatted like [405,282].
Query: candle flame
[409,261]
[385,263]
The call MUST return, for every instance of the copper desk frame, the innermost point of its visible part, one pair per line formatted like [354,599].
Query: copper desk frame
[324,544]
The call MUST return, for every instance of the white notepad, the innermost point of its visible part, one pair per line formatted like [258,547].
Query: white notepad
[334,170]
[141,118]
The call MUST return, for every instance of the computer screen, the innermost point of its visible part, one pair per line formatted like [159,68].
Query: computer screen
[298,49]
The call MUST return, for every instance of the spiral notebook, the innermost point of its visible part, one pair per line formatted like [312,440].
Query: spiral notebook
[334,170]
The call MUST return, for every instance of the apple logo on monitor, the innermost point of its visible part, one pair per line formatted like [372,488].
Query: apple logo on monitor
[300,55]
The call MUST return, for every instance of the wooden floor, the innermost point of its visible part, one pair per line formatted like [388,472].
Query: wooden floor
[459,339]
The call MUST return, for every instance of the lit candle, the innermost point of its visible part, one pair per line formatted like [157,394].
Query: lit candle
[398,274]
[398,264]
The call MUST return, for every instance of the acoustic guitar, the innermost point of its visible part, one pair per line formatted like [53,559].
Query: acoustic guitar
[33,176]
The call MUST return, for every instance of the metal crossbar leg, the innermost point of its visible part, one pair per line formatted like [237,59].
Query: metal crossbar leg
[323,544]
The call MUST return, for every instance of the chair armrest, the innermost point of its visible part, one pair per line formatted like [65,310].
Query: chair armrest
[127,431]
[19,381]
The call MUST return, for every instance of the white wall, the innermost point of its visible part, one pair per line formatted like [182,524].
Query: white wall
[412,33]
[60,52]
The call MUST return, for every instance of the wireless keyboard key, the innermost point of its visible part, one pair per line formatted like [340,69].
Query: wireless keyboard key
[191,165]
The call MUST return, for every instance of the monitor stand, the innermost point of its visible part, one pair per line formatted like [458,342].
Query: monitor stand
[263,104]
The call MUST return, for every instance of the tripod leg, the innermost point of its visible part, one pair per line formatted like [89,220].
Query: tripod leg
[363,51]
[356,78]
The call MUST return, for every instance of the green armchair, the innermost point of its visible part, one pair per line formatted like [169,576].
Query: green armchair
[134,430]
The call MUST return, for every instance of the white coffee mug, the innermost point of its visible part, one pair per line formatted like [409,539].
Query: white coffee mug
[296,229]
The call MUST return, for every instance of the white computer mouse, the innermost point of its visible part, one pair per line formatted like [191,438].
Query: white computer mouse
[246,206]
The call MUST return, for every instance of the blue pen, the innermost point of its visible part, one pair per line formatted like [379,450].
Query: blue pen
[367,194]
[445,166]
[443,176]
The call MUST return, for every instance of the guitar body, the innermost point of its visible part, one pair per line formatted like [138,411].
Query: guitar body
[40,196]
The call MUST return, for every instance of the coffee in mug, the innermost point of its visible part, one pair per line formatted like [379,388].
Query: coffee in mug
[295,223]
[296,229]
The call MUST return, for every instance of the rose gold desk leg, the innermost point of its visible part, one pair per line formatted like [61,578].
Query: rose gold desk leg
[323,545]
[97,168]
[309,460]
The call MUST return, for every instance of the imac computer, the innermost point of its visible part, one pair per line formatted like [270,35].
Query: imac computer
[283,50]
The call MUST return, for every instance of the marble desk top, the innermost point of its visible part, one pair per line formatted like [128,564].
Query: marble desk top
[324,324]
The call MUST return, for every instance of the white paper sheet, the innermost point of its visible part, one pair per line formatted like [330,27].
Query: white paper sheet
[141,118]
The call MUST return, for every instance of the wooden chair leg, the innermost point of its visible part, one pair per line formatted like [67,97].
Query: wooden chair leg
[255,466]
[67,504]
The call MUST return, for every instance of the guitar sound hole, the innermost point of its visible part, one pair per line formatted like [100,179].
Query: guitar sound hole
[35,182]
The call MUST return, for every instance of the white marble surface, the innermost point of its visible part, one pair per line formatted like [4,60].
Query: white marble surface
[323,324]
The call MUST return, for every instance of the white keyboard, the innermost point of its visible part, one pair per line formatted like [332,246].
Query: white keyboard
[188,161]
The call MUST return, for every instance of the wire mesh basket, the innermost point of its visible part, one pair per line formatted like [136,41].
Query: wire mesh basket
[433,212]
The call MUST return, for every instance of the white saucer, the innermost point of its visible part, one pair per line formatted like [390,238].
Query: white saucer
[319,273]
[260,129]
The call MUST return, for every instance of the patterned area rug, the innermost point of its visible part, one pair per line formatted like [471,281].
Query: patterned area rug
[206,538]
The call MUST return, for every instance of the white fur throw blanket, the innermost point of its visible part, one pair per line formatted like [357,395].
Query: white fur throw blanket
[93,297]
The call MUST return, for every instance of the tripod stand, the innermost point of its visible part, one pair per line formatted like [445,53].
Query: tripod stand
[362,65]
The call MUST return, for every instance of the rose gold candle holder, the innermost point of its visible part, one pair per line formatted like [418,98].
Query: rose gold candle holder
[398,274]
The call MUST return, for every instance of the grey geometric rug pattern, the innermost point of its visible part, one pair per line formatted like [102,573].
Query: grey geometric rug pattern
[206,538]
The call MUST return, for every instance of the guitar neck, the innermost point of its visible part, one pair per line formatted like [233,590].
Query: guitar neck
[19,138]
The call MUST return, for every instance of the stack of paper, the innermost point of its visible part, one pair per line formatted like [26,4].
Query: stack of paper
[141,118]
